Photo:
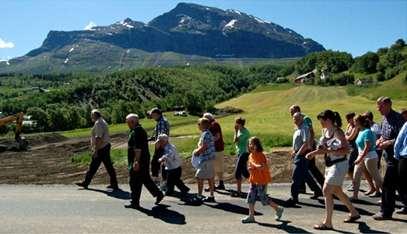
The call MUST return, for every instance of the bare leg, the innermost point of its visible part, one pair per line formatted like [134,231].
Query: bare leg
[239,186]
[345,200]
[211,183]
[251,210]
[200,187]
[329,204]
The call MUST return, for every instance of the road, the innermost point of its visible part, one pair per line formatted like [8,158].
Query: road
[67,209]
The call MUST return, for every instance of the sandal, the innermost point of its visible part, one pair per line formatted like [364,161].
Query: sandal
[369,192]
[322,226]
[351,219]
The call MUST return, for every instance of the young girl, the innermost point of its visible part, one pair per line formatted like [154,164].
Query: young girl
[259,178]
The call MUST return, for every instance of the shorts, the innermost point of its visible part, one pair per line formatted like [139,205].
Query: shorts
[335,174]
[205,170]
[241,166]
[258,192]
[219,158]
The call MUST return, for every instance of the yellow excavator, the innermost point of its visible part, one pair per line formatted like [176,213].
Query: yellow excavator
[20,142]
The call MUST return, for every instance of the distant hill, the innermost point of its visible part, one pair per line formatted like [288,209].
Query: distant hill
[188,34]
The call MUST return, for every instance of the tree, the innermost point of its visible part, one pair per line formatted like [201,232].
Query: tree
[40,116]
[366,63]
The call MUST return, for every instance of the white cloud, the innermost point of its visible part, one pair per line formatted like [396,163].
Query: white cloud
[6,44]
[90,25]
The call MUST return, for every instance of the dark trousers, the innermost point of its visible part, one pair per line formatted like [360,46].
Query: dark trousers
[137,180]
[315,172]
[102,155]
[301,175]
[156,166]
[390,184]
[174,179]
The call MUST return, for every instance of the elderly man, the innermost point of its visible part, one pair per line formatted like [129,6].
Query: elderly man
[162,127]
[301,146]
[138,157]
[313,169]
[391,124]
[216,131]
[100,147]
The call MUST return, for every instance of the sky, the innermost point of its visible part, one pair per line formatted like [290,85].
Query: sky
[354,26]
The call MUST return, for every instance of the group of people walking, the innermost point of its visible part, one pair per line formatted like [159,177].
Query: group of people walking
[354,152]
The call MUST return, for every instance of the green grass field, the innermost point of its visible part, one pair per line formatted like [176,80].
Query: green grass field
[266,111]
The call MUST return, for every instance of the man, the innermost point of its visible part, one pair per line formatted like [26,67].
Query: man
[400,153]
[301,146]
[162,127]
[100,148]
[138,157]
[313,169]
[216,131]
[391,124]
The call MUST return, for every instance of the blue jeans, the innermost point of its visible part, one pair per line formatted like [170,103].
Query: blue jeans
[301,175]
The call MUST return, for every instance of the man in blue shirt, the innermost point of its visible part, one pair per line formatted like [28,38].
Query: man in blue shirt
[400,153]
[391,124]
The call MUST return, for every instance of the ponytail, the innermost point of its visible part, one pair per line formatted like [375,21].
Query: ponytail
[337,119]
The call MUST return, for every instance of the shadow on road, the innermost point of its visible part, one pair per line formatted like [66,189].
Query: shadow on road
[338,207]
[228,207]
[364,228]
[118,194]
[285,227]
[163,213]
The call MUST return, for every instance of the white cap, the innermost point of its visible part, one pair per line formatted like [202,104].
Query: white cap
[208,116]
[132,116]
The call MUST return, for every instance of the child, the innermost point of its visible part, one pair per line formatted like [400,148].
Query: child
[172,163]
[241,139]
[259,178]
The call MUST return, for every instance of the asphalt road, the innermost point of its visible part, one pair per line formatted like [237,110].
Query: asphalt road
[67,209]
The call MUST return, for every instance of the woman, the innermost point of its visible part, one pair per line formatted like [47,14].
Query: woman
[241,140]
[351,133]
[205,152]
[334,144]
[367,159]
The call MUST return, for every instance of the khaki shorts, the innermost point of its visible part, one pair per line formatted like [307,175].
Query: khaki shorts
[219,158]
[205,170]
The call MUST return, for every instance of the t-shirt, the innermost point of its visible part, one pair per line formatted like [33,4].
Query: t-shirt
[215,129]
[207,139]
[100,130]
[301,135]
[243,142]
[138,140]
[307,121]
[259,176]
[366,135]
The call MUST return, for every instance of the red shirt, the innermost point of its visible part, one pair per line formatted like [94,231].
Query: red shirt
[215,129]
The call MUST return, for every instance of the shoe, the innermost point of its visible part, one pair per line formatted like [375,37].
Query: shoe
[159,199]
[132,206]
[316,195]
[207,190]
[209,199]
[322,226]
[369,192]
[380,216]
[114,187]
[235,194]
[248,219]
[350,188]
[82,184]
[291,202]
[376,194]
[279,213]
[351,219]
[302,190]
[200,197]
[220,186]
[402,211]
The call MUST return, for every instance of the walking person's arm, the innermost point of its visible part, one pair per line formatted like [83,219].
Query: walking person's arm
[363,154]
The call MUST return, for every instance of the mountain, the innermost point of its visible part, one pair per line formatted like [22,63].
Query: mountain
[189,33]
